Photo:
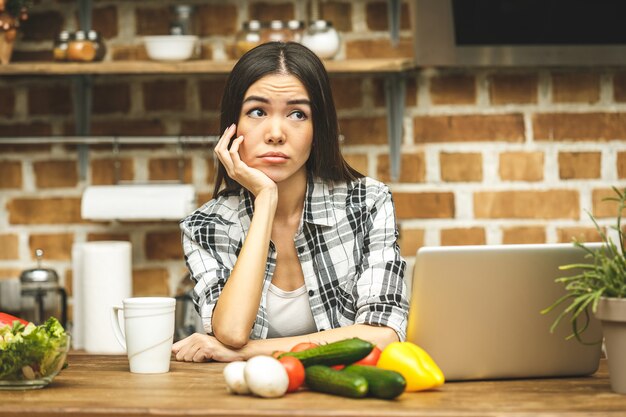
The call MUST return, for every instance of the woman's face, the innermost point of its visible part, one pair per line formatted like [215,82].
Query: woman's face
[277,126]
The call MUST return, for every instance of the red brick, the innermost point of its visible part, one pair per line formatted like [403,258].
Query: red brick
[153,21]
[412,167]
[211,170]
[104,21]
[207,126]
[469,128]
[42,26]
[163,245]
[410,86]
[111,98]
[377,16]
[152,127]
[55,174]
[580,234]
[356,161]
[54,210]
[513,88]
[10,273]
[203,198]
[53,99]
[521,166]
[364,131]
[552,204]
[99,237]
[571,87]
[579,126]
[55,246]
[347,92]
[7,102]
[103,171]
[163,169]
[128,52]
[216,19]
[151,282]
[424,205]
[621,165]
[211,92]
[410,241]
[603,207]
[8,247]
[25,129]
[579,165]
[619,87]
[461,236]
[523,235]
[453,89]
[10,174]
[164,95]
[378,48]
[44,55]
[266,11]
[24,148]
[339,13]
[461,167]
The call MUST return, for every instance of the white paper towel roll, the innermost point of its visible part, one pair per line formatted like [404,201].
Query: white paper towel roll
[106,281]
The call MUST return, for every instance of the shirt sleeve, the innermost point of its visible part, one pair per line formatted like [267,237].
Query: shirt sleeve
[380,287]
[209,255]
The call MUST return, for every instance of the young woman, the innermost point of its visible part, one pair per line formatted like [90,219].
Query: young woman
[295,246]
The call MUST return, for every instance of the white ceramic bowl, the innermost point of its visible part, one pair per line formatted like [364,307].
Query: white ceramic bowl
[170,47]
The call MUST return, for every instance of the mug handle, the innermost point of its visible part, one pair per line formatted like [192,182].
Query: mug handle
[115,323]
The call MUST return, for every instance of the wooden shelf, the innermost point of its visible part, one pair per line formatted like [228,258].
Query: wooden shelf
[189,67]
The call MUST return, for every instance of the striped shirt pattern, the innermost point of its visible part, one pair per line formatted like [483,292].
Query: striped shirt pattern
[346,243]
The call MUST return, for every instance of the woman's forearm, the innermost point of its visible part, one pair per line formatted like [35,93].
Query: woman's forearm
[238,303]
[380,336]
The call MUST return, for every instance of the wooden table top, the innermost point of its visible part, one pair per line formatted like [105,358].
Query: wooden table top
[102,385]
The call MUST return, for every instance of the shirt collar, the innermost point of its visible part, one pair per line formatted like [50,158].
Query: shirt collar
[318,204]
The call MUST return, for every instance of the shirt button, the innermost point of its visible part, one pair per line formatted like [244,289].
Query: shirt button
[311,293]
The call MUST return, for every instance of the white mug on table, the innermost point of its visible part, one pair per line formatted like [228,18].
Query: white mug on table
[149,332]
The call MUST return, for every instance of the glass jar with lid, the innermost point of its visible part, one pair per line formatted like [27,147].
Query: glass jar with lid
[98,44]
[322,38]
[296,27]
[61,43]
[80,48]
[277,31]
[248,37]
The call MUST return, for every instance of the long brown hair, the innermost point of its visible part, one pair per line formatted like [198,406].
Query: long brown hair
[294,59]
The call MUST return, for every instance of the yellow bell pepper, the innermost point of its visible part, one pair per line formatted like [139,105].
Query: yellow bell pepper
[415,365]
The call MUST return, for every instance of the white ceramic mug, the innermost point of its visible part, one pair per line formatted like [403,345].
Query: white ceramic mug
[149,332]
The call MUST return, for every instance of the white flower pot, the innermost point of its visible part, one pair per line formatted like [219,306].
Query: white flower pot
[612,314]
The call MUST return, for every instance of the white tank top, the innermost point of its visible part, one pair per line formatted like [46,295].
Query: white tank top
[289,312]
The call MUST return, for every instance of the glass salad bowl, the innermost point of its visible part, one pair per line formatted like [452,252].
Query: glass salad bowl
[31,356]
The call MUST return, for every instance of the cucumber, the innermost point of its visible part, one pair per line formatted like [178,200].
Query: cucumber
[335,353]
[321,378]
[382,383]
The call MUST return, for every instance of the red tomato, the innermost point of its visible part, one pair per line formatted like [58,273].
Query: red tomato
[295,372]
[277,353]
[303,346]
[9,319]
[371,359]
[338,367]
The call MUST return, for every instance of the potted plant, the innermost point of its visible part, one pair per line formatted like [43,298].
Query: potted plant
[11,13]
[601,287]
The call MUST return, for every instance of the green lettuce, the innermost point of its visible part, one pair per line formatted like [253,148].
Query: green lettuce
[32,352]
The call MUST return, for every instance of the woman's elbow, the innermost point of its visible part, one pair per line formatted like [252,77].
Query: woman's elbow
[232,339]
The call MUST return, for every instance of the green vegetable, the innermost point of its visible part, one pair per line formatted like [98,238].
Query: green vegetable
[382,383]
[336,353]
[32,352]
[324,379]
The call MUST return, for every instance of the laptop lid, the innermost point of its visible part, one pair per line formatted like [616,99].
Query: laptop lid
[476,311]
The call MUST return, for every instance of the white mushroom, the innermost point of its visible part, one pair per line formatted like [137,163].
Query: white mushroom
[266,377]
[235,381]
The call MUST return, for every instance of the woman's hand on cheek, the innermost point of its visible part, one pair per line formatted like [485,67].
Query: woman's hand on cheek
[250,178]
[203,348]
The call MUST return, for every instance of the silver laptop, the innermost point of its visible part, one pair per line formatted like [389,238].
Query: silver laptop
[476,311]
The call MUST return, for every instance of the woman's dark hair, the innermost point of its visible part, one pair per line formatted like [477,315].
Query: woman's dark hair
[325,160]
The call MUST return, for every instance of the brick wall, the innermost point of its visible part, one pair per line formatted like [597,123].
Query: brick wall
[488,155]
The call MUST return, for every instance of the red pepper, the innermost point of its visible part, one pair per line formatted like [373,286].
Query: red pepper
[9,319]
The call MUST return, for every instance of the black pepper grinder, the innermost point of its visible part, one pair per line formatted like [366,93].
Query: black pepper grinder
[42,296]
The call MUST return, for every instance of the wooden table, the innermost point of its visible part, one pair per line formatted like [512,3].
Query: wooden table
[102,385]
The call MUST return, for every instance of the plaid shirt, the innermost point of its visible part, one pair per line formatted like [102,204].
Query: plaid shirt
[346,243]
